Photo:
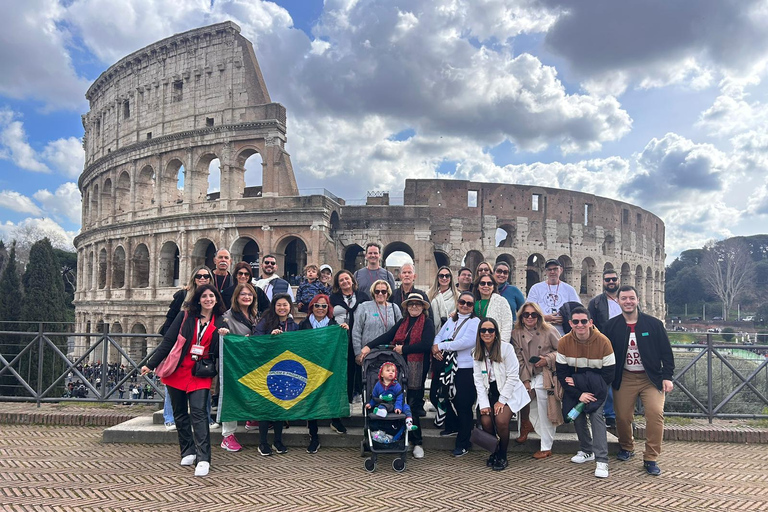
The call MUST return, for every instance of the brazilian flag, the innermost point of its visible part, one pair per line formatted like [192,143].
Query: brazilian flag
[299,375]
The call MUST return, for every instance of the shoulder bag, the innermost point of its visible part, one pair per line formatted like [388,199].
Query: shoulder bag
[171,361]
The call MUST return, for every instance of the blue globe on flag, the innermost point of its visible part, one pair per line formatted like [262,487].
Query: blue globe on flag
[287,379]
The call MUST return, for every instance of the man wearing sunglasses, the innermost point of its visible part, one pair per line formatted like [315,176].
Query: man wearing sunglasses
[602,308]
[516,299]
[585,368]
[270,282]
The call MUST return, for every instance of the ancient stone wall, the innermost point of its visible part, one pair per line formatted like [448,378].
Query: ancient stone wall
[162,115]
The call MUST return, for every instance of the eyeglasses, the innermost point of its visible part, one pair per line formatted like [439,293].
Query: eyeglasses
[582,321]
[244,294]
[415,304]
[269,263]
[528,314]
[463,302]
[502,272]
[320,306]
[243,273]
[551,269]
[443,276]
[610,279]
[487,330]
[202,276]
[485,283]
[380,292]
[483,270]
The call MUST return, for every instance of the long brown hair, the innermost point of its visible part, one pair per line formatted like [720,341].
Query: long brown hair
[253,309]
[494,353]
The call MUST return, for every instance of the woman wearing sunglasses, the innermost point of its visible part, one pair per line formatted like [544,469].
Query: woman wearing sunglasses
[442,296]
[375,317]
[489,304]
[453,387]
[535,343]
[498,386]
[320,315]
[244,274]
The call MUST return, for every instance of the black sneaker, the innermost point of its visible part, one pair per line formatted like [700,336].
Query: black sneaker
[625,455]
[265,450]
[280,447]
[448,433]
[610,422]
[338,426]
[651,468]
[500,464]
[459,452]
[314,445]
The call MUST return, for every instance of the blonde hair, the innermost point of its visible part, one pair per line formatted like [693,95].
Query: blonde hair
[377,283]
[540,323]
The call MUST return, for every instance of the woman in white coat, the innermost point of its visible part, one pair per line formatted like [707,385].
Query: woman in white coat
[489,304]
[499,390]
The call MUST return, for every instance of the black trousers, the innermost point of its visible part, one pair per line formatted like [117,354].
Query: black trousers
[192,427]
[463,402]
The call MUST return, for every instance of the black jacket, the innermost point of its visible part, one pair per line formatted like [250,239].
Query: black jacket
[188,331]
[173,309]
[397,298]
[599,311]
[262,302]
[652,342]
[584,382]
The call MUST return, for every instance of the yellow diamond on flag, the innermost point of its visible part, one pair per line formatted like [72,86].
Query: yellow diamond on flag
[286,380]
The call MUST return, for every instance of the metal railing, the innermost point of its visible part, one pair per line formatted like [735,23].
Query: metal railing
[49,367]
[713,380]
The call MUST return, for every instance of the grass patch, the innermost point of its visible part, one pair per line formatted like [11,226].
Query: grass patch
[682,337]
[762,423]
[680,421]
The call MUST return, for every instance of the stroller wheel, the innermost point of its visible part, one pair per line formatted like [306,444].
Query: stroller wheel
[398,465]
[370,465]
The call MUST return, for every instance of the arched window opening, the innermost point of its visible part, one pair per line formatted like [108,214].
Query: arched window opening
[295,260]
[253,175]
[441,259]
[102,269]
[472,259]
[118,268]
[214,180]
[203,253]
[534,270]
[354,257]
[169,265]
[141,267]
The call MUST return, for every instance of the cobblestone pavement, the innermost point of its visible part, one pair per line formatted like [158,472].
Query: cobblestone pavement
[68,468]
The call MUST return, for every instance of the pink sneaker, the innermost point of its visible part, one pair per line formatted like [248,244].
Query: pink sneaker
[230,444]
[251,425]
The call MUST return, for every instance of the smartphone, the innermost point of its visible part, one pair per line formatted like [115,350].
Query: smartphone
[534,359]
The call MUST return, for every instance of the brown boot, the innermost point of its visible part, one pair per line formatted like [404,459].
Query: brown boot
[542,454]
[525,429]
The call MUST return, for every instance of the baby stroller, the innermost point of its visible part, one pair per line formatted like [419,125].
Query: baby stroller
[384,434]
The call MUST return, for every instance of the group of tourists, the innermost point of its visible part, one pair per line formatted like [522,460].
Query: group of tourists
[490,352]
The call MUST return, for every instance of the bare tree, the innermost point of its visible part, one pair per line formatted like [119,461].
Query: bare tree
[727,267]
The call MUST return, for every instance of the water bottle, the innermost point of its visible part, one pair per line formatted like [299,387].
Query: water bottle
[574,413]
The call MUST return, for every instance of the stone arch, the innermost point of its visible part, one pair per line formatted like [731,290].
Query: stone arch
[140,263]
[201,176]
[145,188]
[293,249]
[509,260]
[534,270]
[397,253]
[335,223]
[138,345]
[175,180]
[123,193]
[203,253]
[649,289]
[588,277]
[249,166]
[567,275]
[472,259]
[106,198]
[245,249]
[506,235]
[118,268]
[102,277]
[626,274]
[608,265]
[89,271]
[213,191]
[609,245]
[441,259]
[354,257]
[168,265]
[639,282]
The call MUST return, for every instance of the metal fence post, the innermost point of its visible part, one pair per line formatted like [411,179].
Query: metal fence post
[105,354]
[710,413]
[39,362]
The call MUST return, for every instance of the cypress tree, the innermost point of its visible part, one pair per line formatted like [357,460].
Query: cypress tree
[10,314]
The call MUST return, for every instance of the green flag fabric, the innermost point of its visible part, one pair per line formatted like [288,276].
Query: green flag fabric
[299,375]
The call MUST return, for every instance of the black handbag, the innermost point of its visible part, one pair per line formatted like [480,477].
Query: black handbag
[204,368]
[483,439]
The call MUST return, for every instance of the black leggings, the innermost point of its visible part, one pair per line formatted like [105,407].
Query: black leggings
[502,420]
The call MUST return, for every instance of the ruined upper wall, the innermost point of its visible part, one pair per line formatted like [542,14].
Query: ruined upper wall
[193,80]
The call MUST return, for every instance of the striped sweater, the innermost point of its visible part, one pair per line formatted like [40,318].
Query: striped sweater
[575,356]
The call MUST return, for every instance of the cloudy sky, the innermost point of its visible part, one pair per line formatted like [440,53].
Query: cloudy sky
[662,104]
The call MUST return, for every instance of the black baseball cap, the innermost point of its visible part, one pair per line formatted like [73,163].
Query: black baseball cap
[553,262]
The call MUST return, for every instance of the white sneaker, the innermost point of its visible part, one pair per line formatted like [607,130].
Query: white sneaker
[203,468]
[581,457]
[170,426]
[418,452]
[189,460]
[213,425]
[601,471]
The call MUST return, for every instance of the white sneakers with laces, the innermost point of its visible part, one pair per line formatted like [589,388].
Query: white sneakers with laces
[601,470]
[582,457]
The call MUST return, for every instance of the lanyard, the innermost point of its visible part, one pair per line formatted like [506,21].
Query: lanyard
[382,317]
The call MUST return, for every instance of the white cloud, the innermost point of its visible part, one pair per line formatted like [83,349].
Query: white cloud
[36,63]
[66,155]
[32,229]
[63,204]
[732,112]
[14,145]
[18,203]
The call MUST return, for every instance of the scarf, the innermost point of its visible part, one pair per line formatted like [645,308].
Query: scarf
[316,324]
[241,318]
[446,390]
[409,333]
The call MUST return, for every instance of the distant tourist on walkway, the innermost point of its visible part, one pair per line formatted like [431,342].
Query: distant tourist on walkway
[645,366]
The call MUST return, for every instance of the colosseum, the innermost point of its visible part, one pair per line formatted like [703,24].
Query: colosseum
[176,131]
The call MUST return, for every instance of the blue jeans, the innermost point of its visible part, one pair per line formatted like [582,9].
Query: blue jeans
[167,409]
[608,405]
